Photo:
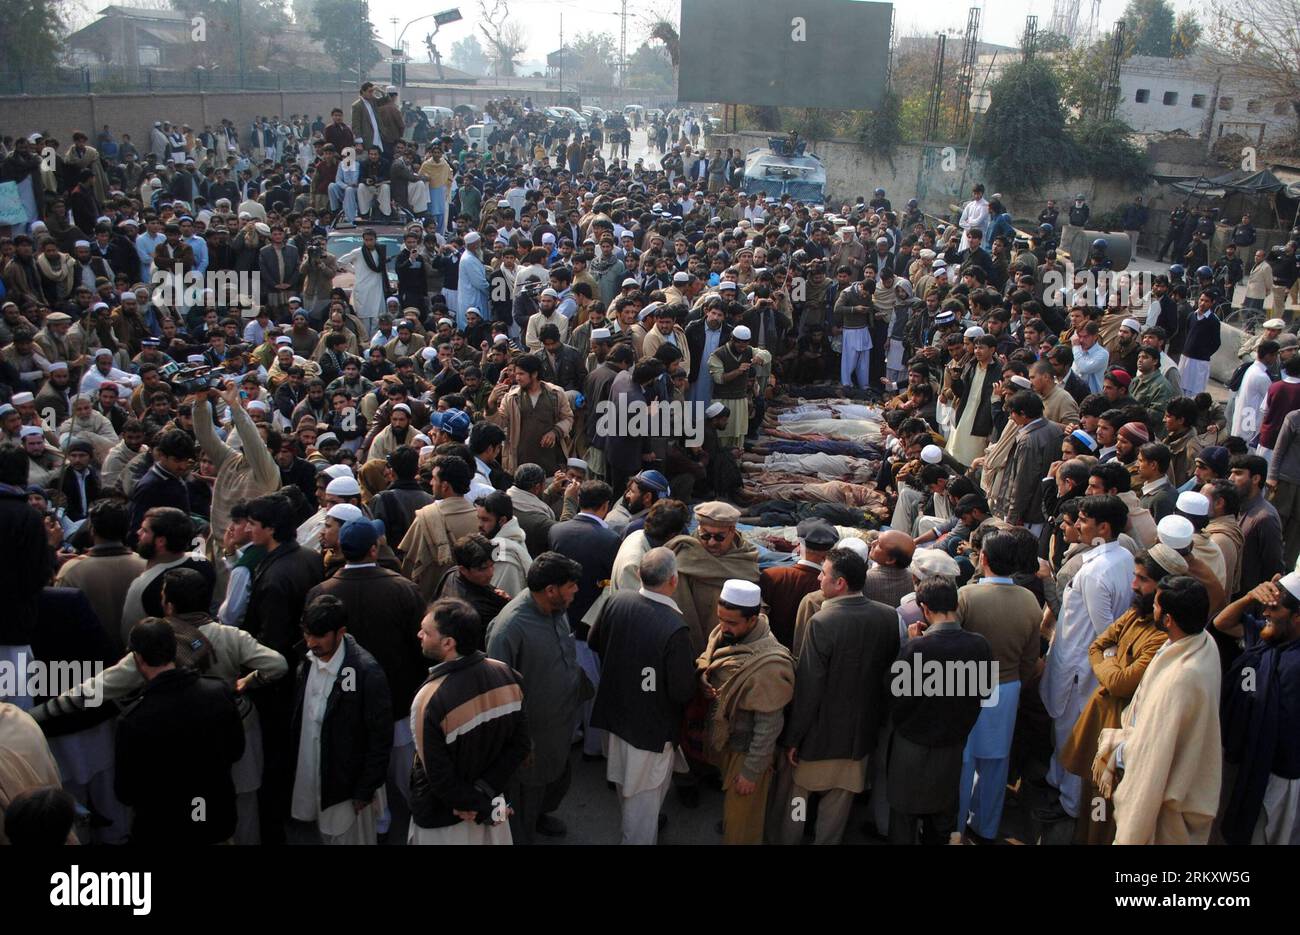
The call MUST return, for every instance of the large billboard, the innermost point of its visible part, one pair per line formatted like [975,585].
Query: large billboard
[801,53]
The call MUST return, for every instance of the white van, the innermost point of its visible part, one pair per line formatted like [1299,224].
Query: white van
[437,115]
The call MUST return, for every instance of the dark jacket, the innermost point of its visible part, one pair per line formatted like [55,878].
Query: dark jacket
[1029,463]
[623,452]
[695,341]
[596,389]
[1135,216]
[357,733]
[384,613]
[397,505]
[157,488]
[569,371]
[841,687]
[26,563]
[593,546]
[943,720]
[983,424]
[483,598]
[177,745]
[634,637]
[279,594]
[473,739]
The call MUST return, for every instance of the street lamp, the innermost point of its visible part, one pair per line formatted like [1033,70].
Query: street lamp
[445,18]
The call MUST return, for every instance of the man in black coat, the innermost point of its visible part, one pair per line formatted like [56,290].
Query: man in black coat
[840,697]
[591,543]
[647,677]
[397,504]
[715,321]
[163,483]
[341,732]
[175,748]
[277,595]
[930,728]
[561,364]
[383,611]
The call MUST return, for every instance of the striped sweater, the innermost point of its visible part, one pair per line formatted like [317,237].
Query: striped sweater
[470,737]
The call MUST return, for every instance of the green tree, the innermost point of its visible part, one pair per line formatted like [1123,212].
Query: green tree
[649,68]
[881,130]
[343,27]
[237,32]
[1082,73]
[759,118]
[468,56]
[1187,33]
[1106,150]
[31,33]
[665,32]
[1022,138]
[595,55]
[1154,30]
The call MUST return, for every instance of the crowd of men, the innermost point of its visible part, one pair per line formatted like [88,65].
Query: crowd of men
[391,559]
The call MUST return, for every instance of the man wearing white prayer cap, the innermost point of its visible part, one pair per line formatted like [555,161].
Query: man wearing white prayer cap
[472,281]
[1195,508]
[751,677]
[335,517]
[1176,532]
[729,369]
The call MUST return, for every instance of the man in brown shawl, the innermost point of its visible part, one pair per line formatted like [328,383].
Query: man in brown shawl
[749,678]
[705,561]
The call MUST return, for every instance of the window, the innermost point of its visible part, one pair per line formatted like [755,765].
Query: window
[149,55]
[1281,108]
[1198,101]
[1252,107]
[1143,95]
[1171,98]
[1225,103]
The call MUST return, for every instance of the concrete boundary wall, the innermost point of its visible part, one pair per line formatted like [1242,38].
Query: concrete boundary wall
[135,113]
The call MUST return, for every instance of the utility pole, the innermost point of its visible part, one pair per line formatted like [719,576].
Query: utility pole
[622,48]
[362,20]
[561,56]
[239,37]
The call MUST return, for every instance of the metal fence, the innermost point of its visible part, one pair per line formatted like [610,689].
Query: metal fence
[109,79]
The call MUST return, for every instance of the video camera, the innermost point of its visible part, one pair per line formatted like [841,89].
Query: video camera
[194,378]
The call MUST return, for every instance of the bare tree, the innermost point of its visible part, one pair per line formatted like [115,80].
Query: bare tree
[505,37]
[1260,41]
